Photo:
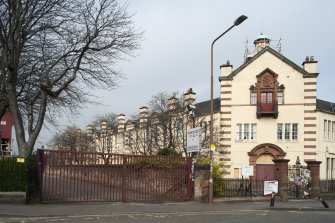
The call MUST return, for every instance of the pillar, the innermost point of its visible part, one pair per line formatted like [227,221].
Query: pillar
[281,174]
[314,167]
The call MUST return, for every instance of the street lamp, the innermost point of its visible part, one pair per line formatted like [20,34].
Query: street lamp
[237,22]
[0,141]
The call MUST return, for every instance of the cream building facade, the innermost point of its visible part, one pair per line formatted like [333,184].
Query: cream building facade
[268,109]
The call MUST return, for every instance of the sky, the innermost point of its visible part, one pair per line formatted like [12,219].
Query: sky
[175,51]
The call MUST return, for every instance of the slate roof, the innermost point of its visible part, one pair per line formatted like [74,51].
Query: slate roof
[325,106]
[203,108]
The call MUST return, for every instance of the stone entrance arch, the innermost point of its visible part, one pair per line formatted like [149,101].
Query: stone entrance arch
[265,149]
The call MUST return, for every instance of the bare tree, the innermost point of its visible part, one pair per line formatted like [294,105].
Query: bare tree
[52,49]
[104,128]
[164,128]
[168,127]
[110,118]
[66,140]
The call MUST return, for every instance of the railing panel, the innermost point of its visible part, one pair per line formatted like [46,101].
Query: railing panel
[82,177]
[236,187]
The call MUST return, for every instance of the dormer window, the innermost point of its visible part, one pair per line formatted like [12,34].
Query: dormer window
[267,94]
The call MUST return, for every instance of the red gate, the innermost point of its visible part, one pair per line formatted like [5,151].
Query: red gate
[85,177]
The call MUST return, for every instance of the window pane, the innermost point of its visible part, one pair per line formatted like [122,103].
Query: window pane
[325,129]
[329,128]
[238,131]
[253,98]
[332,168]
[333,131]
[280,131]
[246,131]
[263,97]
[287,131]
[253,131]
[327,168]
[280,97]
[269,97]
[295,131]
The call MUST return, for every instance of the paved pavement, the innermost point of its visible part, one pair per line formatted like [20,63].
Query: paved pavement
[15,208]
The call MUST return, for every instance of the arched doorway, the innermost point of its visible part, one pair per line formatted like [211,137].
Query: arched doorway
[265,167]
[261,156]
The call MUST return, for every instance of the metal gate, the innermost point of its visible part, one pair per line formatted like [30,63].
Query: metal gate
[85,177]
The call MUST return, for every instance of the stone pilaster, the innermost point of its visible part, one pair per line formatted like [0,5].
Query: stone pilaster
[314,167]
[281,174]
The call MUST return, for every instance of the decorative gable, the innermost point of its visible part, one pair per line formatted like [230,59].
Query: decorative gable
[266,93]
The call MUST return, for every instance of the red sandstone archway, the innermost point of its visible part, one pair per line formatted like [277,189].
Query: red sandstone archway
[265,149]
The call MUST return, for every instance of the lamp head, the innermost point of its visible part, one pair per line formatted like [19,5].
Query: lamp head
[239,20]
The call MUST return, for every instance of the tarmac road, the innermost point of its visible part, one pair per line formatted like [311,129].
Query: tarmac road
[303,211]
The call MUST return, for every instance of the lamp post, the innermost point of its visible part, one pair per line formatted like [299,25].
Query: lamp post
[237,22]
[0,141]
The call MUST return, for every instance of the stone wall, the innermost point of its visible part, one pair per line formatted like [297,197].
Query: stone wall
[201,183]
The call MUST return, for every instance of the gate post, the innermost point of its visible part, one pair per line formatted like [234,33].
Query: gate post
[41,165]
[190,177]
[124,169]
[314,167]
[281,174]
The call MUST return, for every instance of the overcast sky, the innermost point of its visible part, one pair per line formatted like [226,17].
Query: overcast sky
[175,52]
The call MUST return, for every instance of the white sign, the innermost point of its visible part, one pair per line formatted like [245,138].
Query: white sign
[270,186]
[247,171]
[3,122]
[193,140]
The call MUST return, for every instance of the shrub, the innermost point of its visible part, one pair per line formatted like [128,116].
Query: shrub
[168,152]
[13,175]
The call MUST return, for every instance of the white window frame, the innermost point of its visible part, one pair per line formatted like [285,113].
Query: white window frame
[287,134]
[327,167]
[295,131]
[246,132]
[280,97]
[325,129]
[332,168]
[253,132]
[253,98]
[280,131]
[329,130]
[239,131]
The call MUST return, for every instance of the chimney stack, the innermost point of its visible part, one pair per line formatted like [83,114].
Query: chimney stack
[309,65]
[144,113]
[226,69]
[172,103]
[120,123]
[189,97]
[89,131]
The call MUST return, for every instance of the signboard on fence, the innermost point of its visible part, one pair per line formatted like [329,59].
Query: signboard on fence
[193,140]
[247,171]
[270,186]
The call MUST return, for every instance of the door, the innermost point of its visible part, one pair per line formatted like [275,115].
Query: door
[266,101]
[265,171]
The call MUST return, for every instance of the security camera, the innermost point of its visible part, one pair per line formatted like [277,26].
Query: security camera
[190,107]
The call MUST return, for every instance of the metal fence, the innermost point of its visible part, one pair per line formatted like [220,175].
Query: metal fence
[74,176]
[327,186]
[298,191]
[235,187]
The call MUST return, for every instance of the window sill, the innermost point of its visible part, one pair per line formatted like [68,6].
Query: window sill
[244,140]
[288,140]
